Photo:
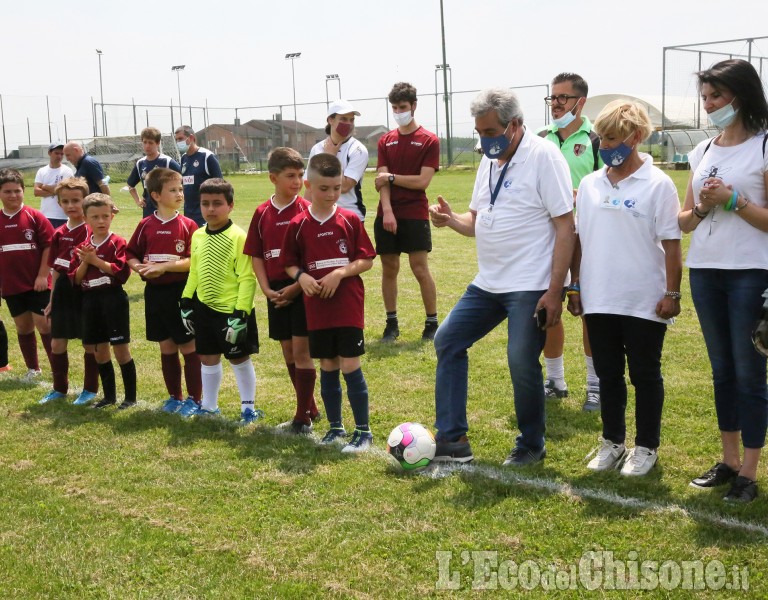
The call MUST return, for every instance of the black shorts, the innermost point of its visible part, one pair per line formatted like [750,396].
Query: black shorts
[346,342]
[288,321]
[31,301]
[413,235]
[210,329]
[161,313]
[106,317]
[66,302]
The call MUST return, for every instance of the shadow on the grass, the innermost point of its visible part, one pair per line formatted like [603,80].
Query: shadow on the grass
[289,453]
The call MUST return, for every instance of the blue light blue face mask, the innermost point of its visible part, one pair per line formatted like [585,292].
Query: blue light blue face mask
[723,116]
[613,157]
[494,147]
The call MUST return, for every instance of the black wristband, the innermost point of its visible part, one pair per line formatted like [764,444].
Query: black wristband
[299,273]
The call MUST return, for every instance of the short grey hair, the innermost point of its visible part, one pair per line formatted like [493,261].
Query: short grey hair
[186,130]
[503,100]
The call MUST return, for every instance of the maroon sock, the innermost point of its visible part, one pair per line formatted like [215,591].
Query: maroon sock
[305,388]
[313,410]
[193,377]
[171,367]
[60,369]
[90,373]
[291,372]
[28,346]
[46,339]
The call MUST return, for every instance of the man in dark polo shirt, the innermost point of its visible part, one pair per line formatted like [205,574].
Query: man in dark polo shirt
[86,166]
[197,165]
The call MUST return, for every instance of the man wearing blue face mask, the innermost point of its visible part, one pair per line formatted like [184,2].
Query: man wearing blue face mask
[579,144]
[197,165]
[521,216]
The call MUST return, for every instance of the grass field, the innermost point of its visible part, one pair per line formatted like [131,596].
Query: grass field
[144,505]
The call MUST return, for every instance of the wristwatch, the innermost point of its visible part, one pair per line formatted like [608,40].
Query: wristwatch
[391,179]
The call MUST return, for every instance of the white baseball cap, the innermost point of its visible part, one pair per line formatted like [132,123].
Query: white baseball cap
[341,107]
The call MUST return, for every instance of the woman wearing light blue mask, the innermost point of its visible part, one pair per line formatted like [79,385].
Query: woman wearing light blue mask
[726,209]
[629,283]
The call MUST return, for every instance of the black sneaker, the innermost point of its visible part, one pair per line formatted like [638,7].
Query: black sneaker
[430,328]
[520,457]
[391,332]
[743,490]
[718,475]
[103,403]
[551,390]
[459,451]
[126,404]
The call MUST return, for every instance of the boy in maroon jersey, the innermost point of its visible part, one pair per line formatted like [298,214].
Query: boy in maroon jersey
[159,252]
[25,240]
[285,305]
[63,309]
[99,266]
[325,250]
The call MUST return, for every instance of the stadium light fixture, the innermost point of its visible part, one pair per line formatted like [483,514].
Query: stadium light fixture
[178,69]
[331,77]
[292,56]
[101,89]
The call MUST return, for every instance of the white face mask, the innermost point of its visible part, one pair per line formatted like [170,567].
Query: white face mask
[404,118]
[183,146]
[566,119]
[724,116]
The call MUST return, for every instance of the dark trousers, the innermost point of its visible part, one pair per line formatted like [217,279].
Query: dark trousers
[614,337]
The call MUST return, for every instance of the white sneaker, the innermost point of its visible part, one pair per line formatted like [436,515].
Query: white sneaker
[609,456]
[31,376]
[639,461]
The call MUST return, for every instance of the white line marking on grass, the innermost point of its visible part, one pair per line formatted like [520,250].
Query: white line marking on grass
[440,470]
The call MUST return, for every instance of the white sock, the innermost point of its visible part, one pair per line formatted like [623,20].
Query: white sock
[245,375]
[211,376]
[556,370]
[592,378]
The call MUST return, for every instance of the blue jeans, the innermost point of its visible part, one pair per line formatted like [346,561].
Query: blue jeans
[728,303]
[475,315]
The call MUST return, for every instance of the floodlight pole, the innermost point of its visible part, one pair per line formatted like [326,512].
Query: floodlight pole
[331,77]
[178,69]
[292,56]
[101,89]
[445,87]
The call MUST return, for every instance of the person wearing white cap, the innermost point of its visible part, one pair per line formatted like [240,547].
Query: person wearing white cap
[352,154]
[46,180]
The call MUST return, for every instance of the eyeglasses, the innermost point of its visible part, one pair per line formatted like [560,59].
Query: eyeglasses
[561,99]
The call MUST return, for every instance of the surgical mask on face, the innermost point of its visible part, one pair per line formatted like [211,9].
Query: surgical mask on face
[724,116]
[566,119]
[404,118]
[494,147]
[183,146]
[344,129]
[613,157]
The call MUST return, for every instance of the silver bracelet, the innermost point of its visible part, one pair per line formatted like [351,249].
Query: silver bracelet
[673,295]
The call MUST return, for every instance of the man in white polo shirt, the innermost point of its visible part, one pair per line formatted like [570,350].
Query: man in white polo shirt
[46,180]
[521,216]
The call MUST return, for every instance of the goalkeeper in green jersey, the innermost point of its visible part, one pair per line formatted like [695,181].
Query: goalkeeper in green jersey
[217,302]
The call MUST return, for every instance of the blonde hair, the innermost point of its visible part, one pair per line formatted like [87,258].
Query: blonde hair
[73,183]
[623,118]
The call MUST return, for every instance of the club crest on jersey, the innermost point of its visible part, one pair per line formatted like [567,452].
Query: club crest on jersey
[579,149]
[196,164]
[29,234]
[179,246]
[342,246]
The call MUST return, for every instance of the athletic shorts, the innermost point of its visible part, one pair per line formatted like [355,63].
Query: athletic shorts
[346,342]
[161,313]
[31,301]
[211,327]
[413,235]
[106,317]
[287,321]
[66,302]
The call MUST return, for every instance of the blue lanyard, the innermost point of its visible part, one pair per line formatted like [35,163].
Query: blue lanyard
[495,192]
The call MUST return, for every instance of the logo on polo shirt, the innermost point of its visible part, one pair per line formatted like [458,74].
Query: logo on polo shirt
[579,149]
[180,245]
[342,246]
[29,235]
[507,184]
[630,202]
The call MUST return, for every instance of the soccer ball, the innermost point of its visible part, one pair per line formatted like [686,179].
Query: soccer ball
[411,445]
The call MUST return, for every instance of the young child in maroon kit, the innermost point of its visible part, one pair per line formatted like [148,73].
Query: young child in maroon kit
[325,250]
[285,306]
[63,310]
[159,252]
[99,266]
[25,240]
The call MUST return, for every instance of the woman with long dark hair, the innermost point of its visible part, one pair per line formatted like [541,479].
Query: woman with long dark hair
[725,209]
